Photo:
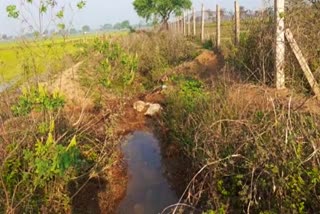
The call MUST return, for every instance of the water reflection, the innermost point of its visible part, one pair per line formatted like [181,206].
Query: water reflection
[148,190]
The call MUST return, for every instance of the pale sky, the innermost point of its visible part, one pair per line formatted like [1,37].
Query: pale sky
[97,13]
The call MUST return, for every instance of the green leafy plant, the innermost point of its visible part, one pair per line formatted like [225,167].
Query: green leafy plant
[250,159]
[38,99]
[34,174]
[117,67]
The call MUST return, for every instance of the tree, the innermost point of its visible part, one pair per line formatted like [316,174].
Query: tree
[42,7]
[4,37]
[122,25]
[85,28]
[106,27]
[73,31]
[125,24]
[161,8]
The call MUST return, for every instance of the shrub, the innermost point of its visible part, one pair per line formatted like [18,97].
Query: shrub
[188,97]
[38,99]
[254,57]
[35,175]
[259,161]
[157,53]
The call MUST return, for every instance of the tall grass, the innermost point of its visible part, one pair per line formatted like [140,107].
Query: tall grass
[244,159]
[254,57]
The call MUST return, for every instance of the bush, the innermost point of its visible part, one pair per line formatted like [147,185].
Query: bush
[157,53]
[258,161]
[134,63]
[35,175]
[38,99]
[254,57]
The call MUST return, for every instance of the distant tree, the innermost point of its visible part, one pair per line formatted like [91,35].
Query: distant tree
[106,27]
[4,37]
[86,28]
[122,25]
[73,31]
[161,8]
[125,24]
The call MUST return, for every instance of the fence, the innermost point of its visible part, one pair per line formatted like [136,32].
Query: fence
[220,26]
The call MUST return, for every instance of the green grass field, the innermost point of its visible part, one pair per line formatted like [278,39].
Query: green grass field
[35,57]
[31,57]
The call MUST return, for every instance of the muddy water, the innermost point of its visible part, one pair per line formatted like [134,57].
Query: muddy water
[148,190]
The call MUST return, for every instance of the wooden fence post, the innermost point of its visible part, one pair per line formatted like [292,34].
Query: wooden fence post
[237,21]
[218,34]
[194,22]
[202,23]
[279,43]
[303,63]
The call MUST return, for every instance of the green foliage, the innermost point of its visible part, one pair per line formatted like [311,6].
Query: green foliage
[276,168]
[49,160]
[191,93]
[38,99]
[188,97]
[86,28]
[12,11]
[33,174]
[43,7]
[117,68]
[81,4]
[159,53]
[163,8]
[208,44]
[122,25]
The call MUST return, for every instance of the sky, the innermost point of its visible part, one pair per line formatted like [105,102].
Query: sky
[96,13]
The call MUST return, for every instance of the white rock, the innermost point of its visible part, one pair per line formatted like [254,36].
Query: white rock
[153,109]
[140,106]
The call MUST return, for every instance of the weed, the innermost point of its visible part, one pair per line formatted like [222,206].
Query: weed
[251,160]
[38,99]
[38,170]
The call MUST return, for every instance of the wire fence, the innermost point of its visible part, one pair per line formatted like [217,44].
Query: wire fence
[263,35]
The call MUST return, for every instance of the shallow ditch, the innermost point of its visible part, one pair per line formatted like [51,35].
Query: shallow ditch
[148,189]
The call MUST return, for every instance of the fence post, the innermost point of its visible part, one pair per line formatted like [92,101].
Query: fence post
[202,23]
[280,43]
[218,34]
[303,63]
[237,21]
[194,22]
[189,24]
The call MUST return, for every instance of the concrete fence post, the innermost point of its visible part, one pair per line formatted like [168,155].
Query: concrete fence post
[279,6]
[189,24]
[202,23]
[218,33]
[237,22]
[194,22]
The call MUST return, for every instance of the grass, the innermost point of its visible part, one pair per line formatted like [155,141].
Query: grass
[16,59]
[29,57]
[241,153]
